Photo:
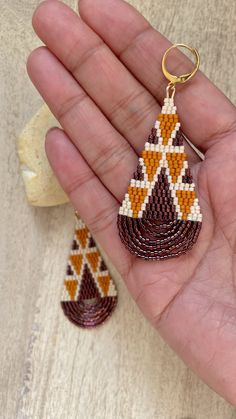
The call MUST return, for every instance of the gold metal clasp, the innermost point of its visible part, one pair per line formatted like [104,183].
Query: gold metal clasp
[184,77]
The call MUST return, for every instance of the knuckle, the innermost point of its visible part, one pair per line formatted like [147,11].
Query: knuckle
[127,102]
[102,219]
[76,61]
[70,105]
[136,119]
[108,160]
[81,179]
[132,109]
[139,37]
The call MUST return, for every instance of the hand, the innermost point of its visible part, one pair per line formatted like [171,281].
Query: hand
[101,77]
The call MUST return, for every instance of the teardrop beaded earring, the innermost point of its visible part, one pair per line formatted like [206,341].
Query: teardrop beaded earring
[160,216]
[89,293]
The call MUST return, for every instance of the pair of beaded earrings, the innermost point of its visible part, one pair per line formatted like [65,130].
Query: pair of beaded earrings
[159,218]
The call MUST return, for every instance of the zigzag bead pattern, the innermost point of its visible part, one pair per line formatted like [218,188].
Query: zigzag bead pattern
[89,293]
[160,216]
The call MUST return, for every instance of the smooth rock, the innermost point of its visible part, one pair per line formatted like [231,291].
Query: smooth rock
[41,185]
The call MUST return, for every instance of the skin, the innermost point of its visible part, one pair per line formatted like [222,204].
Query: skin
[100,74]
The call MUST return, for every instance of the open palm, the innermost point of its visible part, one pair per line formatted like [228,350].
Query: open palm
[100,75]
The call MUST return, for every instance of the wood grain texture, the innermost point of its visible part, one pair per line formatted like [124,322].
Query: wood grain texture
[49,368]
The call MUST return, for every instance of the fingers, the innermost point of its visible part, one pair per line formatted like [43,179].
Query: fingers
[96,206]
[129,107]
[105,150]
[206,114]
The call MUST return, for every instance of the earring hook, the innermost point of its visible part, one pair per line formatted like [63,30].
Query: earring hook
[184,77]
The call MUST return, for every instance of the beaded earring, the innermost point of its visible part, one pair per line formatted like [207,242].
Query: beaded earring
[160,216]
[89,293]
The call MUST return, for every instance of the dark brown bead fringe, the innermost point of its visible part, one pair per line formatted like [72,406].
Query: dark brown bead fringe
[155,239]
[88,314]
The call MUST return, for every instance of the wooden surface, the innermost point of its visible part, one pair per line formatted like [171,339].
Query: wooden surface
[49,368]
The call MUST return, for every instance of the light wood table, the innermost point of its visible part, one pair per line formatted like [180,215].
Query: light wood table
[49,368]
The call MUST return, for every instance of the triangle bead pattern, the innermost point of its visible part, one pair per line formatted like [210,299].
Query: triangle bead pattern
[160,216]
[89,293]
